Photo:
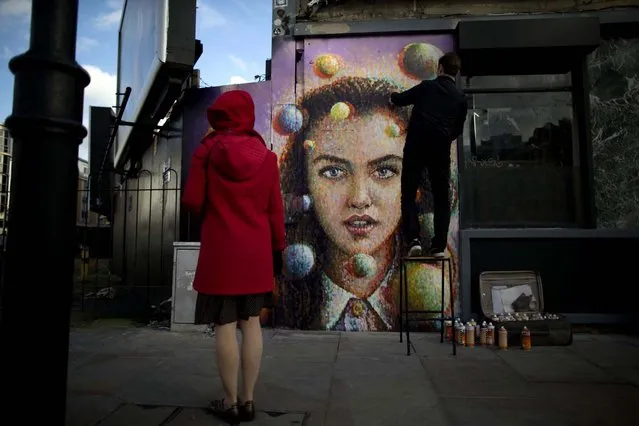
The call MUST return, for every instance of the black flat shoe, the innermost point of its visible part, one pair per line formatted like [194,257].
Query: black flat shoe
[225,412]
[247,411]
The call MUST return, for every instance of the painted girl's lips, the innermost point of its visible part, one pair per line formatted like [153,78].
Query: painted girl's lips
[360,226]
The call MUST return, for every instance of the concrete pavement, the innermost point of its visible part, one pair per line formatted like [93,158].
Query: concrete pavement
[140,376]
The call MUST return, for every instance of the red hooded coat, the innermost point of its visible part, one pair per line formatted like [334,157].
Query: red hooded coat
[234,182]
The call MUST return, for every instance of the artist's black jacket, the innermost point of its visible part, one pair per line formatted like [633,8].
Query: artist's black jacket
[439,109]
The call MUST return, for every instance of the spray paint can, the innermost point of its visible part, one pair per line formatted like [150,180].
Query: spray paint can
[461,335]
[503,338]
[477,331]
[483,334]
[526,343]
[448,329]
[470,335]
[490,334]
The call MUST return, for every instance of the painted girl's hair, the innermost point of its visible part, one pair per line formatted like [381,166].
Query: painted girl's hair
[366,95]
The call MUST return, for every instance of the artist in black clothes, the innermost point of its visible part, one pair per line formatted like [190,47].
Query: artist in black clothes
[437,120]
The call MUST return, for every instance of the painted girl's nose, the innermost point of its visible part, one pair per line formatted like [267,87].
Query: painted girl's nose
[360,198]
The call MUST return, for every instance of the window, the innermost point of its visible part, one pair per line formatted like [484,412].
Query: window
[518,167]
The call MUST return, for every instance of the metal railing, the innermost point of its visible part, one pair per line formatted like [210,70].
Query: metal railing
[124,250]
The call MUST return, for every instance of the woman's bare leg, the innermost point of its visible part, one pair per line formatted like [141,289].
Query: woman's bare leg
[252,345]
[228,359]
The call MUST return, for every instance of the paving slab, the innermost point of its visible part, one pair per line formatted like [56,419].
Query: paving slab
[313,347]
[87,410]
[199,417]
[119,375]
[173,389]
[593,404]
[293,385]
[370,391]
[107,374]
[464,378]
[429,346]
[503,412]
[555,364]
[129,414]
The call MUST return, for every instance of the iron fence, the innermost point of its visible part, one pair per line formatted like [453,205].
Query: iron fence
[124,250]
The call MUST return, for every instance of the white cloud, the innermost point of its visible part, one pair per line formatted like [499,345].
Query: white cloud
[15,7]
[208,17]
[6,53]
[84,44]
[236,79]
[110,19]
[238,62]
[100,92]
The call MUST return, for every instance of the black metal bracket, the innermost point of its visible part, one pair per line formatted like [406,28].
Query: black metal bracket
[114,130]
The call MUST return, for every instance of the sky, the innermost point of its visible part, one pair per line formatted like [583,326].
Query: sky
[236,35]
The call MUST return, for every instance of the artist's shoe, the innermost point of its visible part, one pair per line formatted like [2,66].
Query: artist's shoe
[415,248]
[436,252]
[247,411]
[226,412]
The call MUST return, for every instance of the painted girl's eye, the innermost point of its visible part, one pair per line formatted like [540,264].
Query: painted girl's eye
[385,172]
[332,172]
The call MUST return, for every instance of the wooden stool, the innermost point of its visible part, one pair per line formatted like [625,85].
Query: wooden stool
[404,312]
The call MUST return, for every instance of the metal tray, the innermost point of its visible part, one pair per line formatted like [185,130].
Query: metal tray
[490,279]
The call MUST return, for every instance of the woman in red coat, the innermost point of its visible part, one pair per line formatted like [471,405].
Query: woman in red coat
[234,183]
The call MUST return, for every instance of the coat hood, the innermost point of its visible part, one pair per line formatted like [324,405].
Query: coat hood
[237,151]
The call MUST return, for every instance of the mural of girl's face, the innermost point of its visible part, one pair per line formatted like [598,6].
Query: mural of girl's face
[354,179]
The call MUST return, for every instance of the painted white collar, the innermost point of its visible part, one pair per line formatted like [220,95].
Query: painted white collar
[336,299]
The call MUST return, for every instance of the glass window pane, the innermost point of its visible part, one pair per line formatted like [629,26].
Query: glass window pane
[518,167]
[522,82]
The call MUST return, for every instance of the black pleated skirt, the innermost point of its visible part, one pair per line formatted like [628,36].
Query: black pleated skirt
[220,310]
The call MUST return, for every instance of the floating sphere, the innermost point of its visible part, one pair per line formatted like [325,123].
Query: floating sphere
[289,120]
[300,204]
[309,146]
[427,223]
[340,111]
[420,60]
[306,203]
[299,260]
[425,289]
[326,66]
[364,265]
[393,130]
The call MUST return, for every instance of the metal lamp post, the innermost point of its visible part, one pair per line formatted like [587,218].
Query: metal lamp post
[36,296]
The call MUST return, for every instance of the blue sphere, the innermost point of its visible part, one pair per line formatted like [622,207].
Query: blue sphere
[290,119]
[299,260]
[306,203]
[438,325]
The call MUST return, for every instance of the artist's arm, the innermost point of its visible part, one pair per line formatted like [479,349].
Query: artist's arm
[408,97]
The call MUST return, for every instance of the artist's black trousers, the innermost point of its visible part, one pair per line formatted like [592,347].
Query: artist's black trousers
[433,154]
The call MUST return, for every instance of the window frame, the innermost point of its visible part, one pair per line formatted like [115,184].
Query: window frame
[581,149]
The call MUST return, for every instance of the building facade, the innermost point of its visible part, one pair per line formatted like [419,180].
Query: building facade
[544,177]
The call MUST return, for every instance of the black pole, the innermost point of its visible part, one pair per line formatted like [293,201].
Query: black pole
[37,286]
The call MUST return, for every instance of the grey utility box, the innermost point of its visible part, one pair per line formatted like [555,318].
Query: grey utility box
[185,256]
